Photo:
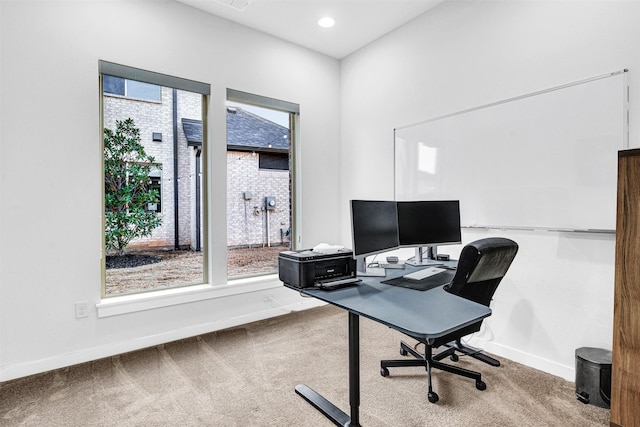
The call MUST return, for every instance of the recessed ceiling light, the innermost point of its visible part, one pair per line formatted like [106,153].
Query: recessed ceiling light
[326,22]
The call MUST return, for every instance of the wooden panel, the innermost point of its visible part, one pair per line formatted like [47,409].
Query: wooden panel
[625,382]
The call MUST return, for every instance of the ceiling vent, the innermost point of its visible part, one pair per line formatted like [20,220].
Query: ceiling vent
[236,4]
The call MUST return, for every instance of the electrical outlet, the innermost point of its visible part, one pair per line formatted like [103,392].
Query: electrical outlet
[82,309]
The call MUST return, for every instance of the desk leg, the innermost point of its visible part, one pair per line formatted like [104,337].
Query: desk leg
[354,368]
[330,410]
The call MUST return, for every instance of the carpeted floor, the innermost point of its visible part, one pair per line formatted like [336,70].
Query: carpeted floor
[246,376]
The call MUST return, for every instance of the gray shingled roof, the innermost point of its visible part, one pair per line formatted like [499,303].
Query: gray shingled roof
[245,132]
[248,132]
[193,131]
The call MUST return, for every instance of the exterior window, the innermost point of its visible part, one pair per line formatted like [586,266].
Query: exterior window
[131,88]
[154,212]
[260,208]
[155,185]
[274,161]
[113,85]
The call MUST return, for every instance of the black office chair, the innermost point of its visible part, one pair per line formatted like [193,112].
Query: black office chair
[481,267]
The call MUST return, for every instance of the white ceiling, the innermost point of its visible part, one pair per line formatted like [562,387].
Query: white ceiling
[358,22]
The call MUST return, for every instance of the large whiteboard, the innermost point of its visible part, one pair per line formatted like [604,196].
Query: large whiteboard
[543,160]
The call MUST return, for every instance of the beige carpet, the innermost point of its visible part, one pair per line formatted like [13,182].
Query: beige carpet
[246,376]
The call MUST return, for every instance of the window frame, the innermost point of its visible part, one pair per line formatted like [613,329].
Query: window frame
[161,80]
[293,110]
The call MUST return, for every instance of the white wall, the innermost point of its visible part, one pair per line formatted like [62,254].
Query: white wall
[558,296]
[50,162]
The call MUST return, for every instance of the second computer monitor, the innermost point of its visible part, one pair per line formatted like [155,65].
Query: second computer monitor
[428,224]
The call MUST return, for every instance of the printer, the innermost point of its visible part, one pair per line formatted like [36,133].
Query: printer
[307,268]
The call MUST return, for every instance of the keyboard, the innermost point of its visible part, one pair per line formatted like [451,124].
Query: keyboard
[424,273]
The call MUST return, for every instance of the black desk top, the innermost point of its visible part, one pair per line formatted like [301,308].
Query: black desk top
[427,314]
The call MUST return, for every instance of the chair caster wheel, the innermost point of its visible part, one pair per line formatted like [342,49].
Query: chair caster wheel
[384,372]
[480,385]
[433,397]
[454,357]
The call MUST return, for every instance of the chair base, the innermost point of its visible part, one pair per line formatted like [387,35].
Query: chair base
[468,351]
[428,361]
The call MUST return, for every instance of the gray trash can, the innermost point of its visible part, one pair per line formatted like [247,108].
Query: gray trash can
[593,376]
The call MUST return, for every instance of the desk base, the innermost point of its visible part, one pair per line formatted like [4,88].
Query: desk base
[329,410]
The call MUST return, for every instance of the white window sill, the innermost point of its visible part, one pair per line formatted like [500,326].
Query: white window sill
[115,306]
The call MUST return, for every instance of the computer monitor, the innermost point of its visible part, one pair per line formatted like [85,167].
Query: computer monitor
[374,227]
[428,224]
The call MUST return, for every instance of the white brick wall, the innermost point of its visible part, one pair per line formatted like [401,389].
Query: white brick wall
[247,219]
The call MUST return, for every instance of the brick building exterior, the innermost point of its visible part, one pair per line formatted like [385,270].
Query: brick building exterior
[249,138]
[156,117]
[248,220]
[257,169]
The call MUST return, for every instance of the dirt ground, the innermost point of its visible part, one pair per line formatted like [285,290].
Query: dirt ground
[179,268]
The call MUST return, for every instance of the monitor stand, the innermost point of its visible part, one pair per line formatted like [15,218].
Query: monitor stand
[363,271]
[419,260]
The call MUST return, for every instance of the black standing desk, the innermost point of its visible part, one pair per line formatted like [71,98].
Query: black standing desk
[430,314]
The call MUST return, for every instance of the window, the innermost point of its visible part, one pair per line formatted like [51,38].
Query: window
[153,171]
[155,185]
[131,88]
[260,183]
[274,161]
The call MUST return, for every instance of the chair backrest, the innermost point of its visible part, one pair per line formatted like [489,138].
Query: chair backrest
[481,267]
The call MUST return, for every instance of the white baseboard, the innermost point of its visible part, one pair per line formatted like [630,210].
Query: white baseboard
[32,367]
[566,372]
[19,370]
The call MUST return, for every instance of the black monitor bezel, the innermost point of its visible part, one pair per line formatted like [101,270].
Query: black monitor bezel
[426,242]
[381,248]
